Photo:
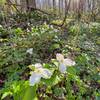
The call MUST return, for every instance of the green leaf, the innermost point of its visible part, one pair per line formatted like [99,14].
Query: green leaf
[6,94]
[72,70]
[30,93]
[55,46]
[52,81]
[97,97]
[58,91]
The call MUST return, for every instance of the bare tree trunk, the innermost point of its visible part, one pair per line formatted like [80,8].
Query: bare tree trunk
[67,7]
[54,5]
[23,5]
[59,6]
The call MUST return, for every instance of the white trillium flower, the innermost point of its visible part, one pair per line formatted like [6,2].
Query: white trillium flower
[39,73]
[51,26]
[64,63]
[55,30]
[28,30]
[0,26]
[30,51]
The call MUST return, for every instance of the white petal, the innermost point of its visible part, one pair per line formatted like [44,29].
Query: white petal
[59,57]
[34,78]
[38,65]
[62,68]
[30,51]
[69,62]
[46,73]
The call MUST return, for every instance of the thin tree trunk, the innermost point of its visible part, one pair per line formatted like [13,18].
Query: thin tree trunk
[54,5]
[67,6]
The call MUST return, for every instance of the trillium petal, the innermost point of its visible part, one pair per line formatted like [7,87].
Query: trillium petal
[68,62]
[46,73]
[34,78]
[62,68]
[38,65]
[59,57]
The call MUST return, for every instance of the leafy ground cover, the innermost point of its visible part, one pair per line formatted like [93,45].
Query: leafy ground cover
[46,62]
